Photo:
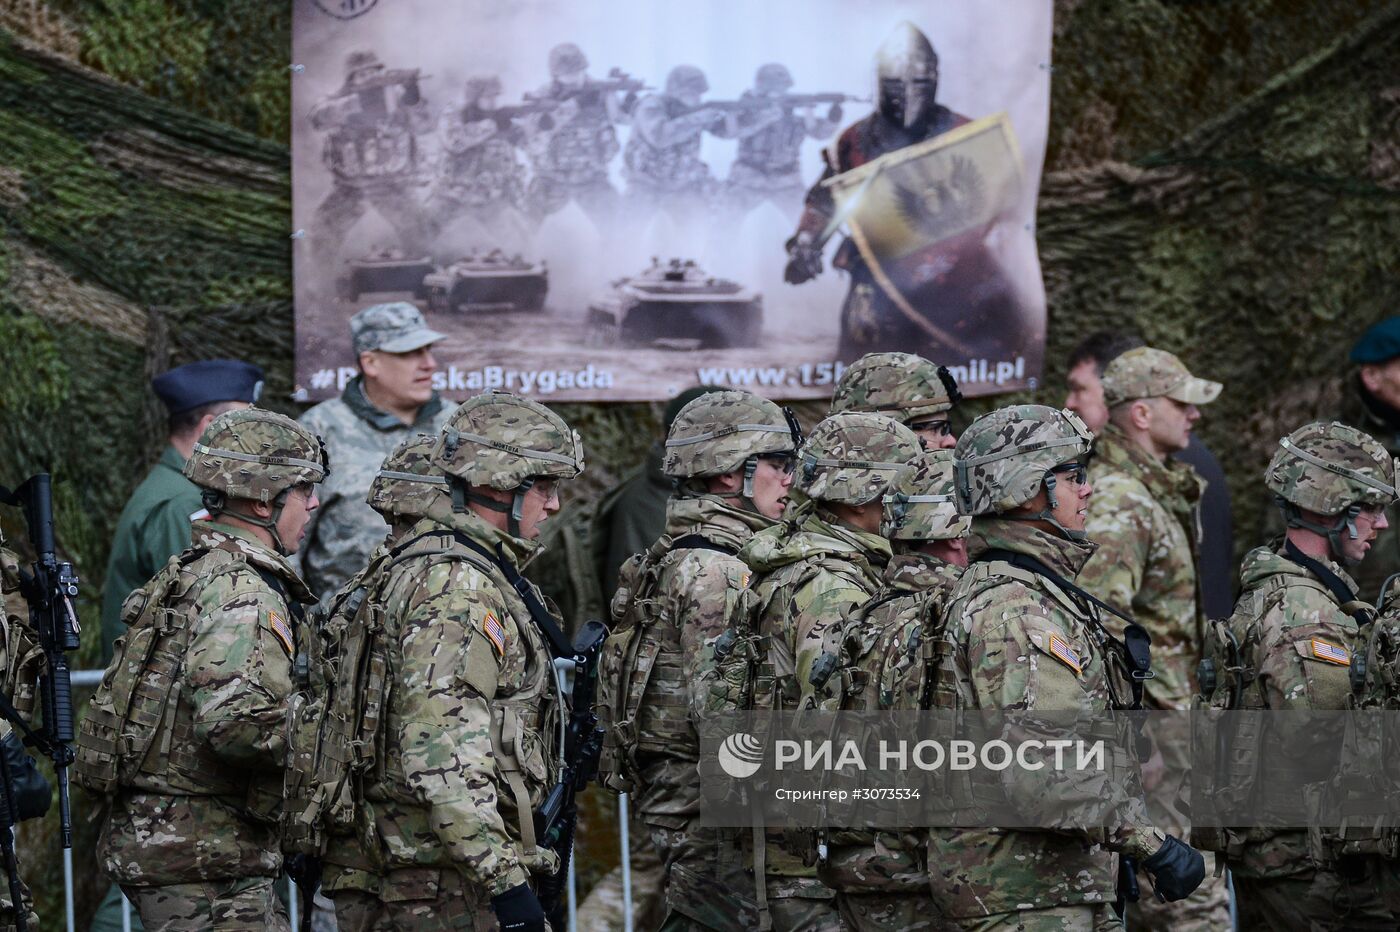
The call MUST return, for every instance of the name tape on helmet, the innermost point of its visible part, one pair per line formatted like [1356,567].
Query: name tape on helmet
[411,477]
[726,431]
[1343,471]
[261,460]
[525,452]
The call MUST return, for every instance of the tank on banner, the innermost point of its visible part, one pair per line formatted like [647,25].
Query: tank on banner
[809,195]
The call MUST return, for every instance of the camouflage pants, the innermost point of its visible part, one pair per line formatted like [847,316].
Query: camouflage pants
[1315,901]
[706,886]
[448,905]
[248,904]
[343,207]
[876,912]
[1205,910]
[1084,918]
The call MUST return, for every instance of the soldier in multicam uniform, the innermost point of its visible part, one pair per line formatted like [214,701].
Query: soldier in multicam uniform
[908,388]
[766,166]
[191,835]
[392,398]
[21,663]
[482,174]
[731,454]
[1144,517]
[571,151]
[372,154]
[886,648]
[407,488]
[473,709]
[1299,620]
[1020,636]
[824,559]
[662,162]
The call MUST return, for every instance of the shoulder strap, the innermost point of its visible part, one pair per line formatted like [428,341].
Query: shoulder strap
[1339,590]
[559,644]
[1136,643]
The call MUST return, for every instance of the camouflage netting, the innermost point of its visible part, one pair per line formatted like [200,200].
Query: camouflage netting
[1223,178]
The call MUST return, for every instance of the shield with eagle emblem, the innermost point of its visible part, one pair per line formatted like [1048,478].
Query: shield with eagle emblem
[920,212]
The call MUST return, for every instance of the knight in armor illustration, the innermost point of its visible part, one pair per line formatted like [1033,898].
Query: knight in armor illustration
[959,276]
[372,151]
[771,130]
[481,172]
[662,161]
[572,144]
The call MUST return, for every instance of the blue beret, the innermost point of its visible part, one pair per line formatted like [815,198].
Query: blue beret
[1379,344]
[208,381]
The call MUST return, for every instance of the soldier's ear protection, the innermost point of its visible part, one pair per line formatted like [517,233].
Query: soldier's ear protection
[962,485]
[809,467]
[899,508]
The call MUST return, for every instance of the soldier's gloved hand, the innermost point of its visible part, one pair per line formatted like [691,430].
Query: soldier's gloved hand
[518,910]
[1176,869]
[804,260]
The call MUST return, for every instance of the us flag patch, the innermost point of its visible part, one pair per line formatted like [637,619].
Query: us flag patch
[281,631]
[495,632]
[1065,654]
[1325,650]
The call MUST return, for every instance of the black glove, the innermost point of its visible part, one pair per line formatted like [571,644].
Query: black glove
[1176,869]
[804,261]
[517,910]
[29,791]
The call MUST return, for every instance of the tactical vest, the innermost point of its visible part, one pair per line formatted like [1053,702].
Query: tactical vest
[138,734]
[525,739]
[1229,774]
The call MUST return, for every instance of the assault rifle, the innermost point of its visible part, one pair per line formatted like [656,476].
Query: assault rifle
[557,816]
[786,101]
[49,589]
[617,81]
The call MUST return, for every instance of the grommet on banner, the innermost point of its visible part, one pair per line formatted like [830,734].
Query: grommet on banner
[299,234]
[1046,66]
[296,69]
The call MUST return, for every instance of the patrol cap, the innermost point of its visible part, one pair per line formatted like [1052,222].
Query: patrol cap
[206,382]
[1380,343]
[1152,373]
[396,327]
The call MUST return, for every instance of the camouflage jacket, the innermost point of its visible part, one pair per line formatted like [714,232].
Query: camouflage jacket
[809,572]
[1143,517]
[881,644]
[1015,641]
[1302,662]
[694,593]
[344,530]
[470,742]
[206,809]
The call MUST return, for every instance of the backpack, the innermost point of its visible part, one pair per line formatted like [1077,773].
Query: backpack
[140,689]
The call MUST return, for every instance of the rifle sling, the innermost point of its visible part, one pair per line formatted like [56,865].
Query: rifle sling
[558,641]
[1136,643]
[1340,590]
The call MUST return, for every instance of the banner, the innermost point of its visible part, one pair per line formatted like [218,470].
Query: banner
[615,201]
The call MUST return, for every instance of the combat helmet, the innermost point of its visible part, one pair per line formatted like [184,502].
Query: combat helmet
[408,484]
[1004,458]
[1332,470]
[686,79]
[903,386]
[255,455]
[566,58]
[720,432]
[852,457]
[772,78]
[503,441]
[922,501]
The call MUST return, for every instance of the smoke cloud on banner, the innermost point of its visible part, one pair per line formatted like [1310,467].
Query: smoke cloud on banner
[615,201]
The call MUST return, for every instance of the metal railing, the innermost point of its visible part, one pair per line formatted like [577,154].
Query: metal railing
[94,677]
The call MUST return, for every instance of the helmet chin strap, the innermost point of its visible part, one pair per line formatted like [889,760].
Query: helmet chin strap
[215,503]
[1346,521]
[462,493]
[1047,514]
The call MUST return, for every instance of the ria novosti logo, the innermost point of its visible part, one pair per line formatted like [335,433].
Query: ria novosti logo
[741,755]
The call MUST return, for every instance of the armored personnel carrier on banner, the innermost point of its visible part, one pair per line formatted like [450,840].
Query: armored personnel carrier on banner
[676,305]
[491,281]
[384,271]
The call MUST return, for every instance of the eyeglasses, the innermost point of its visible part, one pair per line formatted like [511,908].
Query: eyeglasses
[547,488]
[942,428]
[1078,473]
[787,462]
